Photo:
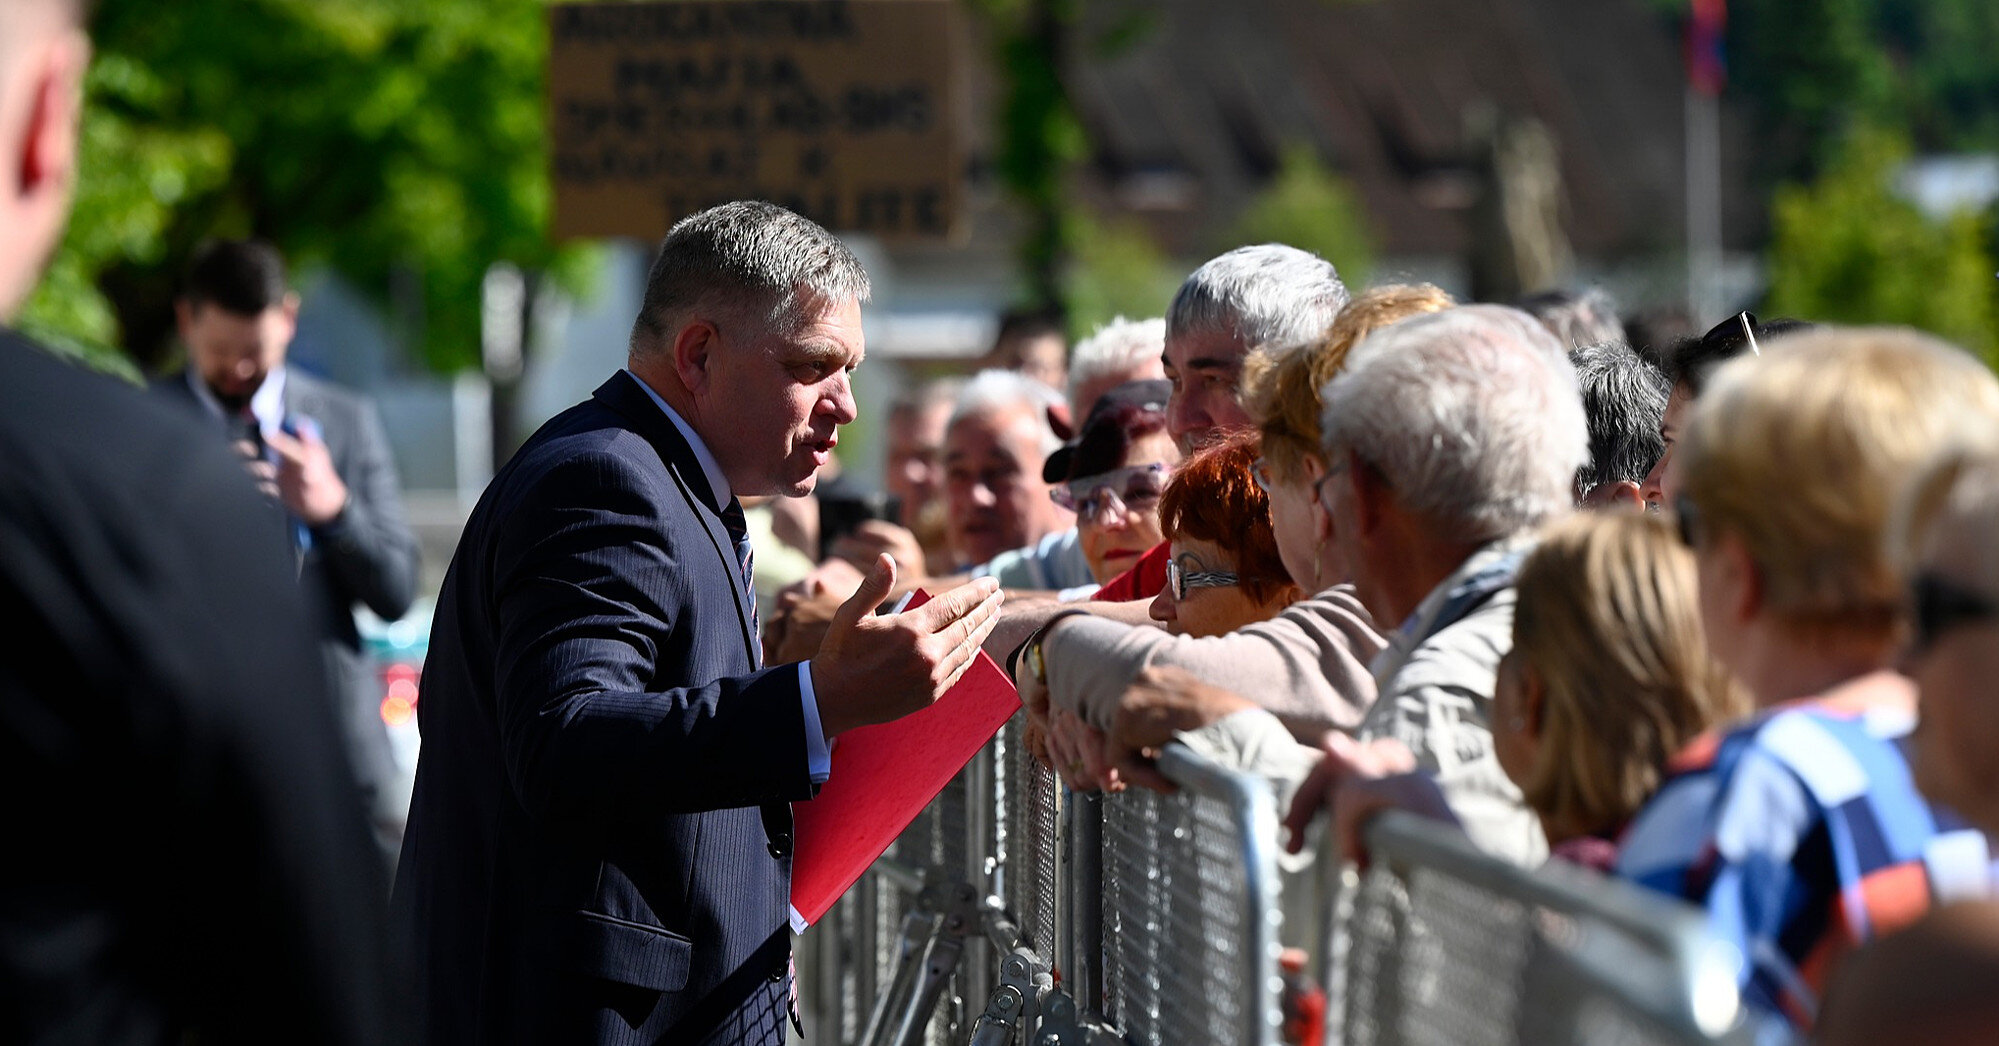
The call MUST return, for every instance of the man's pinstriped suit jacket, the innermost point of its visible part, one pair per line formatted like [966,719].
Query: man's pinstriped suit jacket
[599,846]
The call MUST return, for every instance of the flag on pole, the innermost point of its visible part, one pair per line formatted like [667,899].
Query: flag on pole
[1707,46]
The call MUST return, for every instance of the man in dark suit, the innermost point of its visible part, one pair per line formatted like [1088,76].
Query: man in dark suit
[600,846]
[185,859]
[319,451]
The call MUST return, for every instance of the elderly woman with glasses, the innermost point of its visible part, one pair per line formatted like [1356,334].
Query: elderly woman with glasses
[1115,472]
[1224,570]
[1800,830]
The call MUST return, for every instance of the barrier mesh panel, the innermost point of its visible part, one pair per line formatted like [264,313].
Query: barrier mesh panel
[1176,928]
[1431,958]
[1030,800]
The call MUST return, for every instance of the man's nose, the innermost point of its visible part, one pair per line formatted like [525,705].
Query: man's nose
[1185,419]
[839,401]
[1651,490]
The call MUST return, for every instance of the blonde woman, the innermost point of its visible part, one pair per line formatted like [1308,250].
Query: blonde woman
[1608,677]
[1800,830]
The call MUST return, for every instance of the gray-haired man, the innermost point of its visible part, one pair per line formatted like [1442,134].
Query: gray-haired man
[600,845]
[1268,294]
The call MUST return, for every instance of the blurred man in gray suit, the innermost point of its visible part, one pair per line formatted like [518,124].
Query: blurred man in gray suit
[319,452]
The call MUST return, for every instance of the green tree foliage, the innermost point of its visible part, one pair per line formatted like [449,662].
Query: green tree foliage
[1814,70]
[1040,136]
[1845,248]
[1309,207]
[1118,270]
[397,142]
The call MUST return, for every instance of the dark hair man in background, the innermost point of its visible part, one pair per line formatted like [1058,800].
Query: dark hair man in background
[319,452]
[186,862]
[1624,401]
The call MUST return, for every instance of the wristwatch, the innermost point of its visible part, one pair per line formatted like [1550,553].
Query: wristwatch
[1030,651]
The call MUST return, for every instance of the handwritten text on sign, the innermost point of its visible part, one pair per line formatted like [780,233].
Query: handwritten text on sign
[846,111]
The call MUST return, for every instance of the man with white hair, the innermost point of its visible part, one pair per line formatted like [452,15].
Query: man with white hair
[1449,440]
[997,509]
[1120,351]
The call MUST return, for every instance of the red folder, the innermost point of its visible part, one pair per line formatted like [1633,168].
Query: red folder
[882,777]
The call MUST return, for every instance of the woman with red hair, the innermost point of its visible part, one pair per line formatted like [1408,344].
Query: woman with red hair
[1224,571]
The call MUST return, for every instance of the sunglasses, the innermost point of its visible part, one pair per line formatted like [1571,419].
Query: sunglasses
[1133,489]
[1734,335]
[1940,605]
[1178,581]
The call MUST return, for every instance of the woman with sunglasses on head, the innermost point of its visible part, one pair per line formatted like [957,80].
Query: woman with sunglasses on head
[1801,830]
[1116,471]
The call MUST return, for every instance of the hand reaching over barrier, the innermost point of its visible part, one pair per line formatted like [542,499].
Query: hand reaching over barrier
[1345,760]
[1161,703]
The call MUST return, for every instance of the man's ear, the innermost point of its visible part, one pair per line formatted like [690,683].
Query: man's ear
[1608,497]
[288,308]
[55,105]
[1371,494]
[694,348]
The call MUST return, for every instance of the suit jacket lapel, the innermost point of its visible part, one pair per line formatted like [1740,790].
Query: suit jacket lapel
[623,395]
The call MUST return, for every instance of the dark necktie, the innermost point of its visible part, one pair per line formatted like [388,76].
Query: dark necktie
[249,431]
[746,562]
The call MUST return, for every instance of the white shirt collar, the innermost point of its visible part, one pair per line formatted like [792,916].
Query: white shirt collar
[710,468]
[267,403]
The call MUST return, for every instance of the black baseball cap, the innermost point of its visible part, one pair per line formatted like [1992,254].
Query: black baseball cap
[1145,395]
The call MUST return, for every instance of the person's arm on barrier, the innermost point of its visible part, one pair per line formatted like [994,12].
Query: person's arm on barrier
[1078,749]
[1160,705]
[1307,666]
[1358,799]
[1344,758]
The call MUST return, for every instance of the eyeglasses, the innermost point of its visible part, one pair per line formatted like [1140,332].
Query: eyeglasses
[1178,581]
[1940,605]
[1259,473]
[1134,489]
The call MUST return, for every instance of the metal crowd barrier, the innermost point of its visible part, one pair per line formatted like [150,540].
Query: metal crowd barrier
[1015,913]
[1439,943]
[1011,912]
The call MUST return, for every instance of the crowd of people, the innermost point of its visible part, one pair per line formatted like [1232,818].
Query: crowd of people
[1714,617]
[1706,616]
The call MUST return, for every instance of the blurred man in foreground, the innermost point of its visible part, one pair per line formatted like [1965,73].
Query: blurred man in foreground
[187,859]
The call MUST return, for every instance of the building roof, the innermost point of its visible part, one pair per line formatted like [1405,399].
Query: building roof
[1189,121]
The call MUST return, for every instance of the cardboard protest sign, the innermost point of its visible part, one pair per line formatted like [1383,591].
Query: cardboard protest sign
[850,112]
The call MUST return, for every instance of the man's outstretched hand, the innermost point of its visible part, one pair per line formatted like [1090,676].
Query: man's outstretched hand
[875,668]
